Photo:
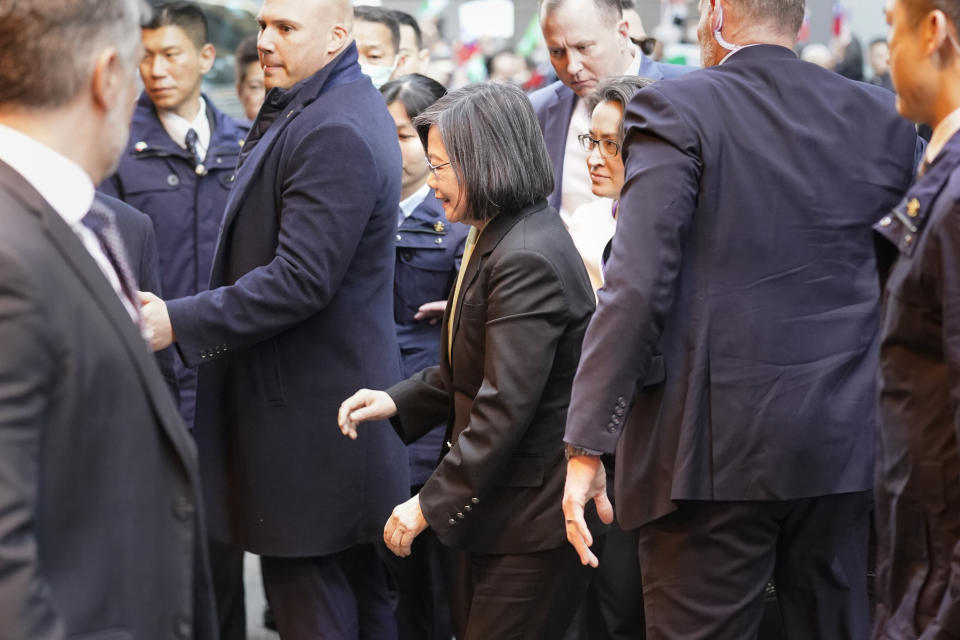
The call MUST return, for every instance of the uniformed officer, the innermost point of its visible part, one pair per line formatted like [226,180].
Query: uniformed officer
[917,492]
[178,168]
[429,250]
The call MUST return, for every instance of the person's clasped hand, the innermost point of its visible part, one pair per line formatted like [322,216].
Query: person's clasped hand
[156,321]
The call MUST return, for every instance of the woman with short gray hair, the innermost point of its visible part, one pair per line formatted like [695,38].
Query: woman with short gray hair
[511,344]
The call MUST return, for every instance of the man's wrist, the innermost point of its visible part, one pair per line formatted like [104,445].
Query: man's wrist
[572,451]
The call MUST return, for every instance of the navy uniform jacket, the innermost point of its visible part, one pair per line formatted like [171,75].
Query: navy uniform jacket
[524,305]
[733,352]
[429,249]
[298,317]
[554,105]
[158,177]
[918,467]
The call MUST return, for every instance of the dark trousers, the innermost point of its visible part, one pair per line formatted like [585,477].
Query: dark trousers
[705,568]
[226,568]
[342,596]
[615,598]
[423,604]
[527,596]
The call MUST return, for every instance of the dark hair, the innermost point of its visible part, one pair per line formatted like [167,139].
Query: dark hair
[185,15]
[609,10]
[410,21]
[494,145]
[415,92]
[618,89]
[626,5]
[386,17]
[50,46]
[489,60]
[878,40]
[245,55]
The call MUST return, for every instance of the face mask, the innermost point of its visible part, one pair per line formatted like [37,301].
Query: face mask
[379,74]
[716,32]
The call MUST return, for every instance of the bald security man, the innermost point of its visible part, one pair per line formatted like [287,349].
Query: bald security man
[299,315]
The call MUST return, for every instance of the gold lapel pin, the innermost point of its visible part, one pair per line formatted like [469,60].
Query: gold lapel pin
[913,207]
[438,227]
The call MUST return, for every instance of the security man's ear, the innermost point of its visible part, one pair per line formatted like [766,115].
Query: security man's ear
[107,79]
[207,55]
[337,38]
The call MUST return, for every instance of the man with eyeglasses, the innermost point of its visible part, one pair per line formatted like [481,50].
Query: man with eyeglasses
[588,40]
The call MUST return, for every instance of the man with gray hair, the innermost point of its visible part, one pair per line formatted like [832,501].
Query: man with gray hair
[731,362]
[100,527]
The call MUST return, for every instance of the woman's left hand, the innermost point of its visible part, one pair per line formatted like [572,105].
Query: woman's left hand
[405,523]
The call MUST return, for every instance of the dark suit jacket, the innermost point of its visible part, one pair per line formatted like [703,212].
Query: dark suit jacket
[136,232]
[524,305]
[554,105]
[733,352]
[429,250]
[99,495]
[299,316]
[918,466]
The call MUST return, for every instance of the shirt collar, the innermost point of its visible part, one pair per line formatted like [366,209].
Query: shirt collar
[407,205]
[944,131]
[634,67]
[177,126]
[741,48]
[61,182]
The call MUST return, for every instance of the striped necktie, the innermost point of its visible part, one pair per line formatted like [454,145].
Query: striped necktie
[101,221]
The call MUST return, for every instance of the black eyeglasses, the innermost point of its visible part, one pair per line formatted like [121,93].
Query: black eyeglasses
[647,45]
[608,148]
[433,168]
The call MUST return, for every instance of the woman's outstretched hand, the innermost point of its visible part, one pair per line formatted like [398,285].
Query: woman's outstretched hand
[365,404]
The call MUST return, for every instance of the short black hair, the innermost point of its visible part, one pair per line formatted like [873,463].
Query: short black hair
[415,92]
[878,40]
[410,21]
[245,55]
[619,90]
[495,147]
[185,15]
[386,17]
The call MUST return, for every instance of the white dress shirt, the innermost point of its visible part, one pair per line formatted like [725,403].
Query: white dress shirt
[407,205]
[592,226]
[66,187]
[177,127]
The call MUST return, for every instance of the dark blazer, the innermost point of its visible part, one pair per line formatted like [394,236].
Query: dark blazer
[429,250]
[918,466]
[299,316]
[554,105]
[159,177]
[100,528]
[136,232]
[524,305]
[734,348]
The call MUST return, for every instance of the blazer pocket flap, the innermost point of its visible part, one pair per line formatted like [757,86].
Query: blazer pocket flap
[657,372]
[524,470]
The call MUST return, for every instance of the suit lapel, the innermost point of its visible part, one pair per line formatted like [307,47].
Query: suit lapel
[557,124]
[65,240]
[488,240]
